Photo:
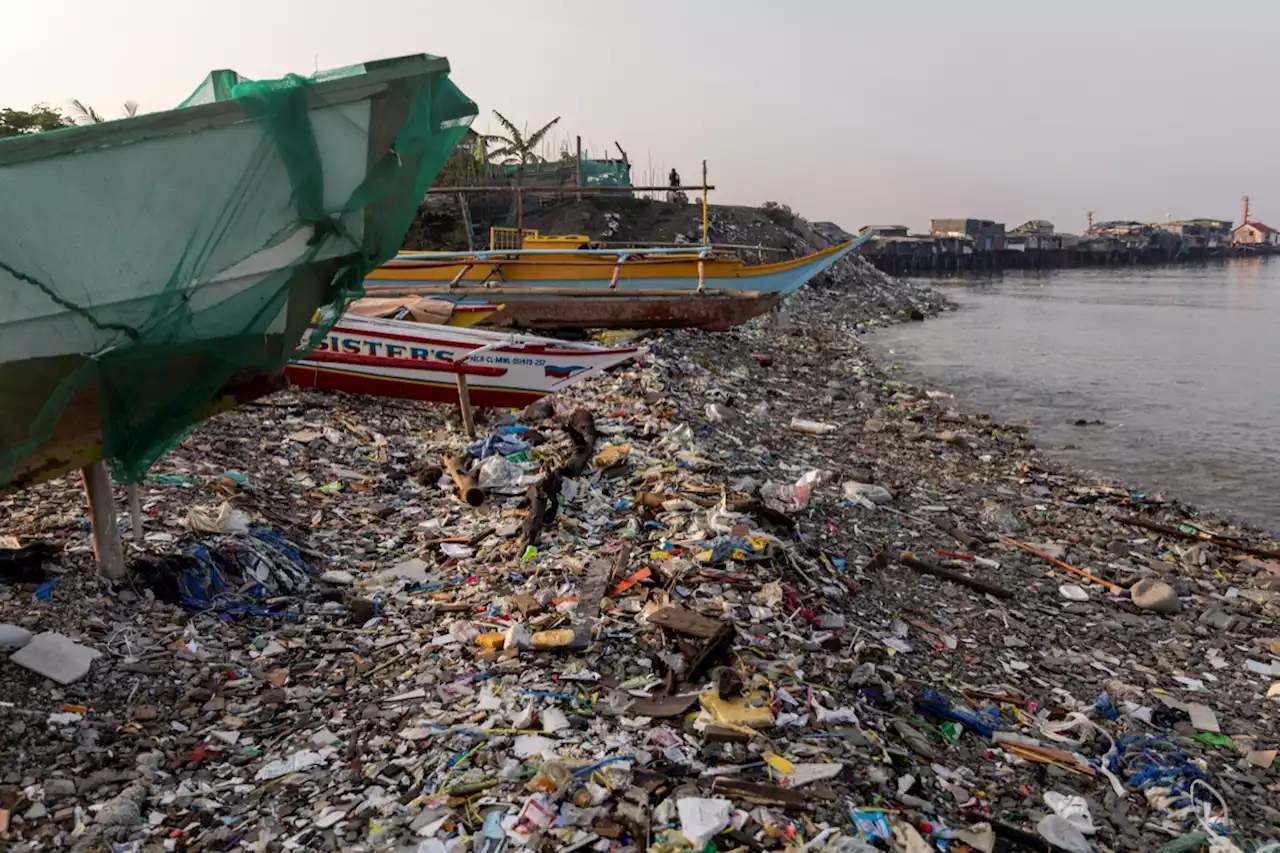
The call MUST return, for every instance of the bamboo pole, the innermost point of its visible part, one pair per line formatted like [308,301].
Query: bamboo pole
[1199,537]
[107,549]
[706,235]
[466,222]
[1112,588]
[506,188]
[577,171]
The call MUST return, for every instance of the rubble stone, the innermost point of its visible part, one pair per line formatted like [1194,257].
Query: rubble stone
[1151,594]
[13,637]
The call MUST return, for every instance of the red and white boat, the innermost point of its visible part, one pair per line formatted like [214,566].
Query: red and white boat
[423,361]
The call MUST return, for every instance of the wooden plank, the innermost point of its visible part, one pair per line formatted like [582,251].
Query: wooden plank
[761,793]
[684,621]
[711,653]
[910,560]
[599,574]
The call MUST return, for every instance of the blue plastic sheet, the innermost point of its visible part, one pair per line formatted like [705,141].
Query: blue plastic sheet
[499,445]
[731,547]
[262,565]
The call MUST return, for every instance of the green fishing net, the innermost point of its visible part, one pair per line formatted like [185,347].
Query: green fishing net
[158,269]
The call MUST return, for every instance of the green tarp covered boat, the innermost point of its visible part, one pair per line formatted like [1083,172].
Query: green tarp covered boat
[158,268]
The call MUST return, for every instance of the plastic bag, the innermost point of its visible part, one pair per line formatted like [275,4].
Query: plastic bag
[854,491]
[795,497]
[1056,829]
[701,818]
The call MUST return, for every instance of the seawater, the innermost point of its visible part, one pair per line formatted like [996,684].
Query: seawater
[1181,363]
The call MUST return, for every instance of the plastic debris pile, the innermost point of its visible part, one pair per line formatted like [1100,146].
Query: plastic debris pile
[685,615]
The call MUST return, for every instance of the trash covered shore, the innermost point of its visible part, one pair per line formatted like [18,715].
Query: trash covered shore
[753,592]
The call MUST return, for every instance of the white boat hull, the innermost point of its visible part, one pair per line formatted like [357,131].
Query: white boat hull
[422,361]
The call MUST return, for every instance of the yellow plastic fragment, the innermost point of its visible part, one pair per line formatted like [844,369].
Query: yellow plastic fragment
[750,710]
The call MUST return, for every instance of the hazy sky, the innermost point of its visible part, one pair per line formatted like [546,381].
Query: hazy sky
[847,110]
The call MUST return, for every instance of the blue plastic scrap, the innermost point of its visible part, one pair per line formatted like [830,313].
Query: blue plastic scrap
[872,824]
[591,768]
[1150,761]
[499,445]
[934,704]
[269,564]
[724,547]
[44,592]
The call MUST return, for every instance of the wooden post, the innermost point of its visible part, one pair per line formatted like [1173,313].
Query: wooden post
[466,220]
[464,403]
[135,510]
[706,238]
[102,513]
[578,170]
[520,214]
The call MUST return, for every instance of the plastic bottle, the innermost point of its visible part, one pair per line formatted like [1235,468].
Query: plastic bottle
[552,777]
[812,427]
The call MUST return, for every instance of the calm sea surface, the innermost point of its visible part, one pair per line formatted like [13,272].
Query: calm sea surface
[1181,363]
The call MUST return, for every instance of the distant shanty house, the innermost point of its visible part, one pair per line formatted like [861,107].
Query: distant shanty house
[1200,233]
[1222,226]
[986,235]
[1034,226]
[967,228]
[1255,234]
[1117,228]
[1118,235]
[884,230]
[1033,235]
[896,242]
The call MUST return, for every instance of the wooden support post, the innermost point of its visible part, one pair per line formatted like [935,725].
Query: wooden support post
[464,403]
[706,235]
[102,513]
[578,170]
[466,221]
[135,511]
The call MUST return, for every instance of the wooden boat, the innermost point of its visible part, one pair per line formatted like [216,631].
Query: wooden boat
[158,268]
[543,309]
[423,361]
[567,266]
[567,286]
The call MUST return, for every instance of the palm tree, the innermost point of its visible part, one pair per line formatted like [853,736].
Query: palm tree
[82,113]
[517,147]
